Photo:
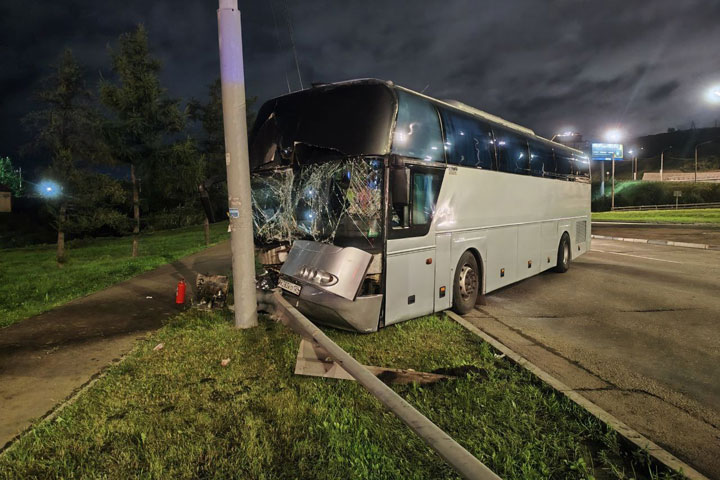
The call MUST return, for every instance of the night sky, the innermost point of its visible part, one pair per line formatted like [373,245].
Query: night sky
[550,66]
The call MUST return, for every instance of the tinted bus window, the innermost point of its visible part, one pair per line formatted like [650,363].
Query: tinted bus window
[417,132]
[468,141]
[346,119]
[564,164]
[512,152]
[581,167]
[542,160]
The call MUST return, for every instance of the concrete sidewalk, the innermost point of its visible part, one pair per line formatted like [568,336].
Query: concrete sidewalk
[43,359]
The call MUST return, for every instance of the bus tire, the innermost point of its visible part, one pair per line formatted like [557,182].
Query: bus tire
[563,256]
[466,284]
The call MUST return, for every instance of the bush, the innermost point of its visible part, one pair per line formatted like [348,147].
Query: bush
[635,193]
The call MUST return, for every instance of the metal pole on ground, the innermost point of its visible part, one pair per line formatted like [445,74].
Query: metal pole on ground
[465,463]
[232,77]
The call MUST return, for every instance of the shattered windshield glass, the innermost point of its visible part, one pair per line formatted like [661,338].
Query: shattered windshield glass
[337,202]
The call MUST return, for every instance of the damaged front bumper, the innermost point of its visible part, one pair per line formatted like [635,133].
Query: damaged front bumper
[323,281]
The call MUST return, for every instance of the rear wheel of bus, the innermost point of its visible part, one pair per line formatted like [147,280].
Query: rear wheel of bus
[563,258]
[466,285]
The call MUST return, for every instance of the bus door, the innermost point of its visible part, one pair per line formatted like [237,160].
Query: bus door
[411,251]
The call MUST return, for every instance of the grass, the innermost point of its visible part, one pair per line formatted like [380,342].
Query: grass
[700,215]
[177,413]
[31,282]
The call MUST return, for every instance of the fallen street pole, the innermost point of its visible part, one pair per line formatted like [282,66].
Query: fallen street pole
[232,78]
[464,463]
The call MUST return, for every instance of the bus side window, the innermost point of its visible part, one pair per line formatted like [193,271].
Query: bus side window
[542,162]
[564,165]
[425,187]
[468,141]
[583,167]
[512,152]
[417,130]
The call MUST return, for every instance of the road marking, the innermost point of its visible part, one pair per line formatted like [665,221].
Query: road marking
[636,256]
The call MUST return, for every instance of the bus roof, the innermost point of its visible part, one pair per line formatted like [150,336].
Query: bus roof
[454,104]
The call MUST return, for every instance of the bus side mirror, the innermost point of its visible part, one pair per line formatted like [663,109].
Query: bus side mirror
[399,185]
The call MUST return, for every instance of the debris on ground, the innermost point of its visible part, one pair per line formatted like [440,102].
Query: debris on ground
[462,371]
[158,347]
[224,362]
[211,291]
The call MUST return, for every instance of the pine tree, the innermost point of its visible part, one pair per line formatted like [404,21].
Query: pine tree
[142,115]
[67,128]
[212,145]
[10,177]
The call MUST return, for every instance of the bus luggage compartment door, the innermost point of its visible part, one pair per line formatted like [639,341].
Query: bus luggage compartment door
[409,284]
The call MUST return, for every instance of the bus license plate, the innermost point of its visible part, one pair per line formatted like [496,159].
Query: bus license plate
[289,286]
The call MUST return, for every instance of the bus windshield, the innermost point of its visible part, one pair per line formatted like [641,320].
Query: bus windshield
[337,202]
[351,119]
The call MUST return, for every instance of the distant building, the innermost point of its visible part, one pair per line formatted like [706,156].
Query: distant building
[5,199]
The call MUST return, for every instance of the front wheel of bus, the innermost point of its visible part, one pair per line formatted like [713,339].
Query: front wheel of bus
[466,285]
[563,258]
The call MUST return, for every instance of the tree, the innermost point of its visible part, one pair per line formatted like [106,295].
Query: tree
[67,128]
[9,177]
[142,115]
[212,145]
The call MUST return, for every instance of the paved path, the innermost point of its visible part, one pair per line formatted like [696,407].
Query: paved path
[636,327]
[45,358]
[708,235]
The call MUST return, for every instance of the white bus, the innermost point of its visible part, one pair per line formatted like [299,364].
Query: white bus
[376,204]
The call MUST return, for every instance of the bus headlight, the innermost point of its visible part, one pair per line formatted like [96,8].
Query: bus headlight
[315,275]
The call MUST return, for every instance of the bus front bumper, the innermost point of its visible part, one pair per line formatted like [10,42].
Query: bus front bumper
[359,315]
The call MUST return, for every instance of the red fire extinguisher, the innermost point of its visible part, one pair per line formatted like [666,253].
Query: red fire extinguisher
[180,292]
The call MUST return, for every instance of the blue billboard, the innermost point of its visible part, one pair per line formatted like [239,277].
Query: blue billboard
[606,151]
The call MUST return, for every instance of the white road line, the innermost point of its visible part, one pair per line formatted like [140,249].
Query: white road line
[636,256]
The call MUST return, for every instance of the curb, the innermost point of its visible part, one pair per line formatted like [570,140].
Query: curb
[701,246]
[657,452]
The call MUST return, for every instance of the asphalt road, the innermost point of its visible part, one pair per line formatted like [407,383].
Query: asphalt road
[635,327]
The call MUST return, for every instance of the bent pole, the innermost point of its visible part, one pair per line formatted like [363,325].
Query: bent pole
[465,463]
[232,78]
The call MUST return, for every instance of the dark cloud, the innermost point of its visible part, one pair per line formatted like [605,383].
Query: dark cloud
[548,65]
[661,91]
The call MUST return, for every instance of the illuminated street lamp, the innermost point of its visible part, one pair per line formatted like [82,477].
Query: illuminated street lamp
[48,189]
[713,94]
[566,133]
[614,135]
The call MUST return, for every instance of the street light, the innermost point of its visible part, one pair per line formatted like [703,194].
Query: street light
[713,94]
[614,135]
[48,189]
[566,133]
[662,161]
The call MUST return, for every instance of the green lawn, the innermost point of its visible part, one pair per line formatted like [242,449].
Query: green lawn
[31,282]
[704,215]
[177,413]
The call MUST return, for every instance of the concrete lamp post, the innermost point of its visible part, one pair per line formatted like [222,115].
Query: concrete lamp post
[232,78]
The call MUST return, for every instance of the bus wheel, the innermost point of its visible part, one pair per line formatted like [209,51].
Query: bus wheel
[466,284]
[563,258]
